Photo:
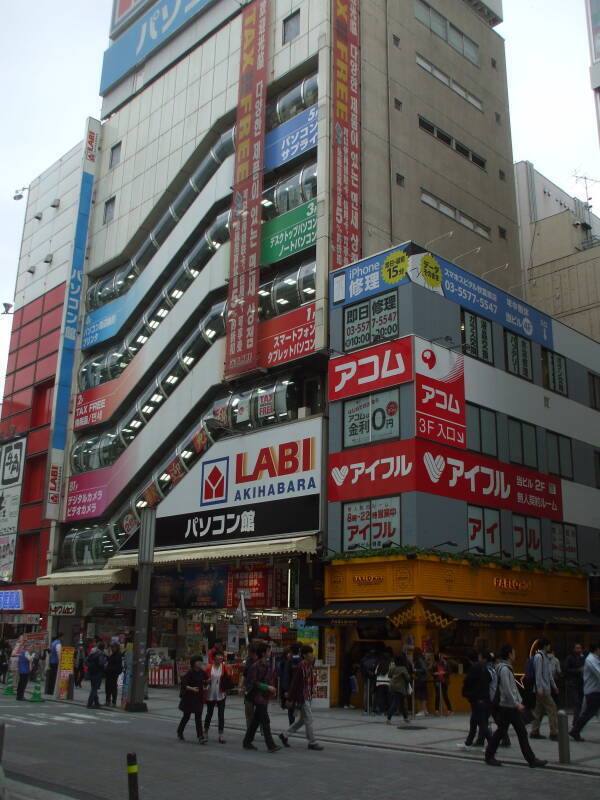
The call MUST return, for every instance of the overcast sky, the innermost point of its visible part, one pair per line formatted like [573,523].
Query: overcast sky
[50,59]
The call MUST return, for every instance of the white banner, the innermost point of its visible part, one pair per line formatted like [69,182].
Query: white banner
[12,462]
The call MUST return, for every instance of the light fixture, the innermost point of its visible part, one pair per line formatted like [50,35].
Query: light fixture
[18,195]
[487,272]
[38,216]
[48,258]
[55,203]
[7,308]
[447,235]
[472,252]
[31,270]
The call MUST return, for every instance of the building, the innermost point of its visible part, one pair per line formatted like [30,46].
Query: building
[593,19]
[560,250]
[247,152]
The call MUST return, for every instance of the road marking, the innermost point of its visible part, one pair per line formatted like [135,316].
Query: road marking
[24,721]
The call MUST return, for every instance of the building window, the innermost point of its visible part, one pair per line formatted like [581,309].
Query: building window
[396,40]
[115,155]
[501,232]
[594,390]
[493,62]
[449,82]
[109,210]
[564,543]
[399,179]
[522,443]
[527,538]
[374,320]
[454,213]
[372,418]
[444,137]
[560,456]
[397,104]
[41,409]
[477,337]
[502,174]
[483,527]
[291,27]
[447,31]
[371,524]
[498,118]
[481,430]
[554,369]
[518,355]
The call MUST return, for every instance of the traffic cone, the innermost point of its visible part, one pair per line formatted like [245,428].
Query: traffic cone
[9,684]
[36,697]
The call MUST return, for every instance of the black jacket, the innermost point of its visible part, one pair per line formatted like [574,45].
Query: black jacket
[477,681]
[114,665]
[193,702]
[573,670]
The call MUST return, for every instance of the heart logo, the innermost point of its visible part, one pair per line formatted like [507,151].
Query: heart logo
[434,466]
[339,475]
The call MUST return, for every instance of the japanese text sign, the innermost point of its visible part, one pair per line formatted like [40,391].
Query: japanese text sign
[378,367]
[440,394]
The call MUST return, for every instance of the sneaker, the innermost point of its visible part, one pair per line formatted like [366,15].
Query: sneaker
[348,706]
[538,762]
[536,736]
[284,740]
[576,737]
[315,746]
[463,746]
[493,762]
[275,748]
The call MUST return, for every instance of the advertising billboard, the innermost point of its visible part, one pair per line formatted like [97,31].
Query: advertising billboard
[440,394]
[374,368]
[293,138]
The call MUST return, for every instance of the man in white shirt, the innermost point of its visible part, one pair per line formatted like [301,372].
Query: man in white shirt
[591,690]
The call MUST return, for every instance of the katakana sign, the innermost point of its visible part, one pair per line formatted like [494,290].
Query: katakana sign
[289,233]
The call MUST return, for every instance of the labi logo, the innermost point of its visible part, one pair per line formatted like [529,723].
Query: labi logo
[434,466]
[214,481]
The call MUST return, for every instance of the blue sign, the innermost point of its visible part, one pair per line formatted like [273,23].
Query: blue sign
[11,600]
[397,267]
[296,136]
[105,322]
[150,31]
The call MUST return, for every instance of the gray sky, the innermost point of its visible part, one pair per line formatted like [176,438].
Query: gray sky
[50,59]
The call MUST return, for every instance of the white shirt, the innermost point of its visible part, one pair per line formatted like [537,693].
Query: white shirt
[214,692]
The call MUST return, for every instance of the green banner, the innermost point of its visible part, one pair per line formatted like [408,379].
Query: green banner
[288,234]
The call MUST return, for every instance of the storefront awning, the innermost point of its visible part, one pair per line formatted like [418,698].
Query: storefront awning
[85,577]
[267,547]
[346,613]
[575,617]
[479,612]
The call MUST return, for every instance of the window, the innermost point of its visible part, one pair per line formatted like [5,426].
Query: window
[526,538]
[447,31]
[109,210]
[449,82]
[291,27]
[522,443]
[399,179]
[493,62]
[554,368]
[34,479]
[477,337]
[397,104]
[27,557]
[594,381]
[371,524]
[371,321]
[502,174]
[396,40]
[455,213]
[115,155]
[564,543]
[498,118]
[444,137]
[560,457]
[483,527]
[518,355]
[41,407]
[481,430]
[372,418]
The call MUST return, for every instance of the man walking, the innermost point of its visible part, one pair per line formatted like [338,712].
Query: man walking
[545,687]
[476,688]
[96,664]
[259,684]
[509,712]
[53,661]
[573,670]
[591,690]
[300,695]
[24,672]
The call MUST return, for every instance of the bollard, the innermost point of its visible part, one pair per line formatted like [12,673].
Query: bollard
[36,697]
[9,690]
[132,776]
[564,751]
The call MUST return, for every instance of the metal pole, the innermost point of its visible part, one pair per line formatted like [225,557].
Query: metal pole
[564,751]
[135,701]
[2,727]
[132,777]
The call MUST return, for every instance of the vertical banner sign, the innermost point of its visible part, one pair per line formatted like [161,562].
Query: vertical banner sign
[440,394]
[245,225]
[346,234]
[66,359]
[65,670]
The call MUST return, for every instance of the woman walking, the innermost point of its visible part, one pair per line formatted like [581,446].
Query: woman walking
[218,683]
[192,698]
[114,667]
[382,684]
[441,677]
[420,672]
[399,687]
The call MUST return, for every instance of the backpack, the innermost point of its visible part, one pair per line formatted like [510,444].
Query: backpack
[96,662]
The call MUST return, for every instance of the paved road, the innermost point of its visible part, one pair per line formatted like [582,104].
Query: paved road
[82,754]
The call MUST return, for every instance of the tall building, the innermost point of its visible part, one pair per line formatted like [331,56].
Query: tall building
[593,19]
[248,153]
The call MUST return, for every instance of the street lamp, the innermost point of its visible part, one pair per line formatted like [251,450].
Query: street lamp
[447,235]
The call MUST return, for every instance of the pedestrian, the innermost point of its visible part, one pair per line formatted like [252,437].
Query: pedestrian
[510,709]
[260,688]
[288,670]
[191,695]
[245,688]
[96,664]
[399,687]
[216,648]
[300,695]
[368,663]
[114,667]
[24,663]
[420,680]
[573,671]
[476,688]
[591,690]
[349,684]
[382,684]
[218,684]
[4,659]
[545,687]
[53,661]
[79,665]
[441,679]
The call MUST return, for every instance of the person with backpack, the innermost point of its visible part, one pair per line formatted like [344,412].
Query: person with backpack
[545,687]
[96,664]
[476,688]
[507,700]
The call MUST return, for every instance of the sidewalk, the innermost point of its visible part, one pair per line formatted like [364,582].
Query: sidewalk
[440,735]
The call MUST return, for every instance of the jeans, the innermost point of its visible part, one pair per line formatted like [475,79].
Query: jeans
[592,706]
[210,707]
[260,719]
[442,689]
[306,719]
[507,717]
[110,687]
[185,719]
[22,685]
[397,704]
[480,712]
[381,698]
[544,704]
[51,679]
[95,684]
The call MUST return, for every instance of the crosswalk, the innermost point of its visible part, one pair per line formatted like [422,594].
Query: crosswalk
[42,718]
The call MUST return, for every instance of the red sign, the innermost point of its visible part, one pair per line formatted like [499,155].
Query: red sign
[369,370]
[97,405]
[346,234]
[256,580]
[287,337]
[245,226]
[372,471]
[440,394]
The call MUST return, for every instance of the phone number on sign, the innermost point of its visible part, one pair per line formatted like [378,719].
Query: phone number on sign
[471,297]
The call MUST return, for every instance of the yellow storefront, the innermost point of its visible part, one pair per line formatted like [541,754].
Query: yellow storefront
[403,602]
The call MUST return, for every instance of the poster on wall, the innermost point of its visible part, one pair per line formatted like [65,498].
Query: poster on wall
[12,464]
[440,394]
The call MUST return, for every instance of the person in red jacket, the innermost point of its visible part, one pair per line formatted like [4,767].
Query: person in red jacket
[300,695]
[259,685]
[216,648]
[219,681]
